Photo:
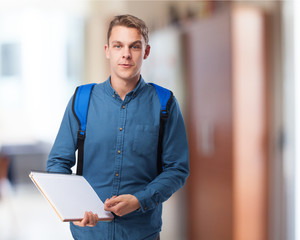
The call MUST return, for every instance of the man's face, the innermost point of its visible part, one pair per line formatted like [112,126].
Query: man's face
[126,51]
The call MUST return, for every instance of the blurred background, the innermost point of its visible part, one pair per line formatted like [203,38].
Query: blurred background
[233,66]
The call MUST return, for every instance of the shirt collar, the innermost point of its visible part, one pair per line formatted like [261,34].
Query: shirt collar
[133,93]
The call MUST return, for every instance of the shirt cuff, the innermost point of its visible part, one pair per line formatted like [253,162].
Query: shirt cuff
[147,203]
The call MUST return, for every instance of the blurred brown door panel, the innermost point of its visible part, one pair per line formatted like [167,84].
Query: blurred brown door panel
[225,117]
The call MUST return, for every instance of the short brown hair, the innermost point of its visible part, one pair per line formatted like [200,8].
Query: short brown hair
[130,22]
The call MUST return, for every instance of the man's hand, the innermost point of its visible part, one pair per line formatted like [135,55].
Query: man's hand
[89,220]
[122,205]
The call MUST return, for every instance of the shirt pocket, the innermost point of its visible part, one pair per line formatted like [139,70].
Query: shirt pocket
[145,140]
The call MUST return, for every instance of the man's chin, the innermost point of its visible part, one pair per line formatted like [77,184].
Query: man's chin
[129,77]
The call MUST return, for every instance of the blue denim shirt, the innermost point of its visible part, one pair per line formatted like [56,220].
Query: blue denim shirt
[120,157]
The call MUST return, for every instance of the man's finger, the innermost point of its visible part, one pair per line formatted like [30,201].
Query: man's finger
[90,218]
[85,220]
[82,223]
[113,201]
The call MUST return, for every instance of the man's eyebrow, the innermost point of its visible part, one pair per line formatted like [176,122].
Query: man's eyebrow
[136,42]
[133,43]
[114,42]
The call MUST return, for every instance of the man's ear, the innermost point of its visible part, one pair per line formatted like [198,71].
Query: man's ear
[106,48]
[147,51]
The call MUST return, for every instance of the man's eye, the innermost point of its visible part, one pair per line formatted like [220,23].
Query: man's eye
[117,46]
[136,47]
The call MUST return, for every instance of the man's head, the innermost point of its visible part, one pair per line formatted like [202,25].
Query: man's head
[130,22]
[127,46]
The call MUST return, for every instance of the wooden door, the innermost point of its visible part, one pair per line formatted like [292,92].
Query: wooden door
[227,112]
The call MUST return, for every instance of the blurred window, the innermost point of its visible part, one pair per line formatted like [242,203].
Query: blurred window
[10,59]
[41,63]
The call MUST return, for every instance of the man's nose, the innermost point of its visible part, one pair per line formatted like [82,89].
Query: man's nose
[126,53]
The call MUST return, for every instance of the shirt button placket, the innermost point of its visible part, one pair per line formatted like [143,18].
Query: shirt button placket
[119,151]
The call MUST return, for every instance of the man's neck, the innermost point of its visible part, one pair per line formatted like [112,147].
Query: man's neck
[122,87]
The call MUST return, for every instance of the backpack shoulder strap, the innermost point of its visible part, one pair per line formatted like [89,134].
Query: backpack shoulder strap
[80,107]
[165,97]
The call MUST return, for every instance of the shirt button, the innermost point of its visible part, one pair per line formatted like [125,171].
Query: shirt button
[145,208]
[119,151]
[117,174]
[121,129]
[123,107]
[114,96]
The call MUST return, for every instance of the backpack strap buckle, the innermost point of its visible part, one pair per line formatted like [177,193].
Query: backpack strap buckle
[81,134]
[164,114]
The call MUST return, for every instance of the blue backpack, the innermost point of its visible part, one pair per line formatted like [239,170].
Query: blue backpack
[80,109]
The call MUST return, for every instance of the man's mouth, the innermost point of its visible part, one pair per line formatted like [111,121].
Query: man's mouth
[125,65]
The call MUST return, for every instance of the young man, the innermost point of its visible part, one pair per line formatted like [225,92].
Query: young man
[120,158]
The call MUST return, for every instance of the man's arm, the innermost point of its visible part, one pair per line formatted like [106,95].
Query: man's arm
[62,156]
[175,159]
